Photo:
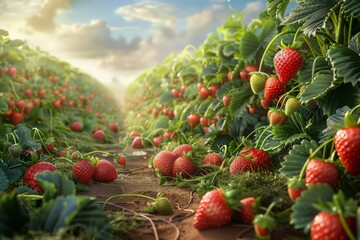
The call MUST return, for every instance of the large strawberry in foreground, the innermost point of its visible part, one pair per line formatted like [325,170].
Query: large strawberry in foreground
[105,171]
[287,63]
[33,170]
[164,162]
[347,145]
[213,211]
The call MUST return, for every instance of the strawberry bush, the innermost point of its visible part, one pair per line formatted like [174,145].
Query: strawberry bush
[284,86]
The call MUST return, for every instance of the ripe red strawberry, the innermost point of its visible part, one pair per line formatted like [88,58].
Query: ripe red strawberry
[257,82]
[164,162]
[212,211]
[273,89]
[76,126]
[183,166]
[263,225]
[33,170]
[287,63]
[250,159]
[121,160]
[328,226]
[137,143]
[182,149]
[83,171]
[134,134]
[158,140]
[295,188]
[36,102]
[113,127]
[105,171]
[277,117]
[213,159]
[28,92]
[226,100]
[252,110]
[42,93]
[193,120]
[16,117]
[291,106]
[20,104]
[57,104]
[204,121]
[168,134]
[99,135]
[246,210]
[213,89]
[347,146]
[12,71]
[319,171]
[204,93]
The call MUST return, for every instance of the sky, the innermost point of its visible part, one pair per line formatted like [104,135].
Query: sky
[116,40]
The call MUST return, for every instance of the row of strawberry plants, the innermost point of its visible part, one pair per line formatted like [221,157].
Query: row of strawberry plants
[279,98]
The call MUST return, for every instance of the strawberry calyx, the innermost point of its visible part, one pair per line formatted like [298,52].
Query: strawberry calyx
[232,198]
[349,120]
[296,183]
[266,223]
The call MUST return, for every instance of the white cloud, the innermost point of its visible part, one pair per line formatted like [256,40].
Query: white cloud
[252,10]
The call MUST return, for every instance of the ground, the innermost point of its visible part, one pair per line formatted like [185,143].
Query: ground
[138,177]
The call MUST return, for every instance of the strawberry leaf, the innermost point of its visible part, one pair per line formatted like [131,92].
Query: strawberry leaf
[9,224]
[334,122]
[303,208]
[55,184]
[352,7]
[4,181]
[320,85]
[295,160]
[239,100]
[3,105]
[277,7]
[249,46]
[312,13]
[306,74]
[354,43]
[346,63]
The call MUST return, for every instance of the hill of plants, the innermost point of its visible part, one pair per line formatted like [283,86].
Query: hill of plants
[262,121]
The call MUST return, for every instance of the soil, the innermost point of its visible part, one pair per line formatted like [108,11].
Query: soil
[138,177]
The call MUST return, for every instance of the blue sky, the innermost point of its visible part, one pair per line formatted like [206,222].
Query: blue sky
[118,38]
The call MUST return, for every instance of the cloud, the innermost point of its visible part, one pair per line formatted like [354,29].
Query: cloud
[149,11]
[252,10]
[44,21]
[94,40]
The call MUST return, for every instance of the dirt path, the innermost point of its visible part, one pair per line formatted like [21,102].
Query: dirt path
[137,177]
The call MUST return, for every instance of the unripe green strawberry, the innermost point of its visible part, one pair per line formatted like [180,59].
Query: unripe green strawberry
[257,82]
[291,106]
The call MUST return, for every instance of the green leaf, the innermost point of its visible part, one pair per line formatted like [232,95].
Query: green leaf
[229,49]
[354,43]
[64,212]
[320,85]
[161,122]
[14,175]
[4,33]
[55,184]
[346,63]
[303,208]
[13,216]
[312,13]
[305,74]
[239,100]
[249,46]
[3,105]
[293,129]
[268,32]
[166,97]
[295,160]
[352,7]
[4,181]
[16,43]
[344,95]
[266,140]
[276,7]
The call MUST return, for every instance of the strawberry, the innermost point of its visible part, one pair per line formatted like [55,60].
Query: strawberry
[295,188]
[273,89]
[134,134]
[252,110]
[137,143]
[291,106]
[251,68]
[42,93]
[36,102]
[12,71]
[99,135]
[76,126]
[246,210]
[175,92]
[226,100]
[263,225]
[213,159]
[328,226]
[277,117]
[204,121]
[121,160]
[182,149]
[213,90]
[57,104]
[183,166]
[249,160]
[113,127]
[257,82]
[158,140]
[193,120]
[212,211]
[287,63]
[28,92]
[319,171]
[168,134]
[204,93]
[16,117]
[15,150]
[105,171]
[33,170]
[83,171]
[164,162]
[20,104]
[347,146]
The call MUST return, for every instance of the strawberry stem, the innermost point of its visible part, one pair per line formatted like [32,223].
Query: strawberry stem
[342,218]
